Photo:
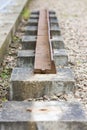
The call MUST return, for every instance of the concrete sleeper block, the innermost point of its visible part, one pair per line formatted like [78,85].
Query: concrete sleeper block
[52,17]
[60,57]
[53,21]
[52,12]
[34,16]
[31,30]
[35,12]
[48,115]
[26,58]
[25,84]
[32,22]
[55,31]
[57,42]
[29,42]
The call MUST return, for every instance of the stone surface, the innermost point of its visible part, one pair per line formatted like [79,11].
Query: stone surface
[57,42]
[9,23]
[35,12]
[25,84]
[60,57]
[29,42]
[31,30]
[54,21]
[32,22]
[55,30]
[52,16]
[52,12]
[42,115]
[34,16]
[26,58]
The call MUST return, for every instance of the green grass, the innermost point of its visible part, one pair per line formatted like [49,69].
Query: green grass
[16,39]
[25,13]
[5,74]
[4,99]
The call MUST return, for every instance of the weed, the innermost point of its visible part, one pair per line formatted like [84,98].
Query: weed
[25,13]
[5,74]
[15,39]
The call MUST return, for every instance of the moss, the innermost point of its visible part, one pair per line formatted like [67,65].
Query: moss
[15,39]
[25,13]
[4,99]
[5,74]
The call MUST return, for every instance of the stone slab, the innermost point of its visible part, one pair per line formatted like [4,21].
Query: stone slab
[35,12]
[25,84]
[32,22]
[9,19]
[50,115]
[53,21]
[54,27]
[26,58]
[26,53]
[53,18]
[55,30]
[30,30]
[52,15]
[29,42]
[34,16]
[57,42]
[60,57]
[52,12]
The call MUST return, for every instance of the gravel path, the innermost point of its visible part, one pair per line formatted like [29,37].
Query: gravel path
[72,17]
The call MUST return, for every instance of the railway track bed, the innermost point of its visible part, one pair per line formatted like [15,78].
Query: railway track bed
[42,69]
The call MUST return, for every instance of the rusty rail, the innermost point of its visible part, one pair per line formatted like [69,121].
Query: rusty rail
[44,63]
[53,67]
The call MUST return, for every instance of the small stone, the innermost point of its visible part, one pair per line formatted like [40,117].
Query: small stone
[40,98]
[45,97]
[65,97]
[0,105]
[30,99]
[54,97]
[59,94]
[71,63]
[77,94]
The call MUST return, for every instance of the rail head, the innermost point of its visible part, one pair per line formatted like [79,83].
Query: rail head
[50,45]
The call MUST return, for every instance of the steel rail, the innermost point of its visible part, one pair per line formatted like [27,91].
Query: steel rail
[44,63]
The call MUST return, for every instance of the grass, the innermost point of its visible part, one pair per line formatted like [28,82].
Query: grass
[5,74]
[4,99]
[25,13]
[15,39]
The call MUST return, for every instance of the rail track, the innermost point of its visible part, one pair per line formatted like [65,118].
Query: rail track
[42,70]
[44,62]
